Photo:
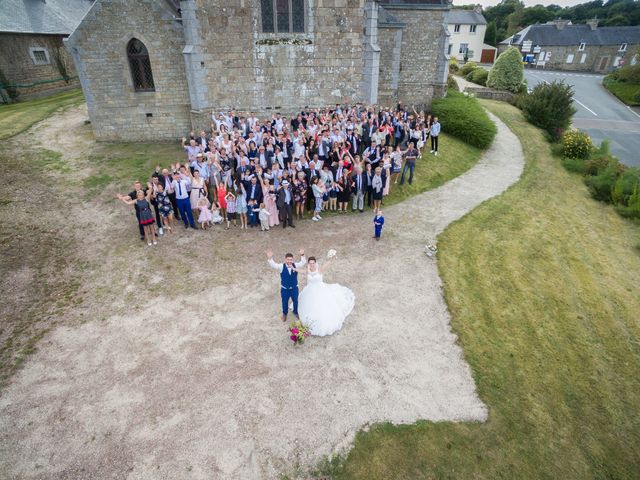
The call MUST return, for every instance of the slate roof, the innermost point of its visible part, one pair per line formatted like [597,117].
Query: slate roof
[40,16]
[464,17]
[385,18]
[548,34]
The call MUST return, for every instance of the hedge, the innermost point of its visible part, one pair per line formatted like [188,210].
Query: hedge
[507,73]
[478,76]
[464,118]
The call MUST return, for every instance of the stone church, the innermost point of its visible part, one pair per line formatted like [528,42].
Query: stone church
[155,69]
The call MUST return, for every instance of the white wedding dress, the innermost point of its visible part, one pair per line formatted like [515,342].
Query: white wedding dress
[324,306]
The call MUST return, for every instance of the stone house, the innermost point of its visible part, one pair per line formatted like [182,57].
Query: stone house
[466,29]
[155,69]
[560,45]
[33,60]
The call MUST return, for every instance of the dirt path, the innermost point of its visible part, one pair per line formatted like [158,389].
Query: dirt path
[176,364]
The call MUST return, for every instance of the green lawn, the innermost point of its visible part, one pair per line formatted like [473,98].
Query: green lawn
[542,283]
[629,93]
[454,158]
[121,164]
[18,117]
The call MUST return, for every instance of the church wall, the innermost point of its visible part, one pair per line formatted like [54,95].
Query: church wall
[390,42]
[423,54]
[262,72]
[98,46]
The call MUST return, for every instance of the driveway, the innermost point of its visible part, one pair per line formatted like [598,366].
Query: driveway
[599,113]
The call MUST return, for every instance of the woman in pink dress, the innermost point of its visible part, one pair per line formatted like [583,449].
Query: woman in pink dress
[386,164]
[270,202]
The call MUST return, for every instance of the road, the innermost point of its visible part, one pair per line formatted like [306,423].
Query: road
[599,113]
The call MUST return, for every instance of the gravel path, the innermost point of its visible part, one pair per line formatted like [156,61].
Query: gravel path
[207,385]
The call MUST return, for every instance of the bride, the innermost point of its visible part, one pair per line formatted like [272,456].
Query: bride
[323,306]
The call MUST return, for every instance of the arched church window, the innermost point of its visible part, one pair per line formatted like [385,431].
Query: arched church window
[140,66]
[282,16]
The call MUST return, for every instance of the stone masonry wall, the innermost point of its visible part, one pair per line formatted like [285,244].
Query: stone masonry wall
[99,46]
[254,71]
[593,61]
[390,41]
[19,68]
[594,56]
[423,47]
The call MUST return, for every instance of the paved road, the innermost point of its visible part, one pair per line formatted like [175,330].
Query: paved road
[599,113]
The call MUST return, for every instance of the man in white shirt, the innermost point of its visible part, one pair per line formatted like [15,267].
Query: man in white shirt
[181,185]
[288,280]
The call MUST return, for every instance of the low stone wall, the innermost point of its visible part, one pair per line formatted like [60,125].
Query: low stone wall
[491,94]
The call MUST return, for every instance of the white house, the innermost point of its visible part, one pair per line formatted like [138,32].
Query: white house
[466,29]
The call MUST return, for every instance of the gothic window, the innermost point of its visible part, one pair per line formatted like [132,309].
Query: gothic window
[282,16]
[140,66]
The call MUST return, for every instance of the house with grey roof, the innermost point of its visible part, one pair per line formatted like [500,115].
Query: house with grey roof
[466,36]
[33,60]
[561,45]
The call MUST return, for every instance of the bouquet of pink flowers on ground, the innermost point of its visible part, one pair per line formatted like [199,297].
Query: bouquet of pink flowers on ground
[298,332]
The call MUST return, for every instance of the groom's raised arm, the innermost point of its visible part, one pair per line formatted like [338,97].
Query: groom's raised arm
[277,266]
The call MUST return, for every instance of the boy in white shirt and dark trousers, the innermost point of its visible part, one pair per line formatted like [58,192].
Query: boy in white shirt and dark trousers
[263,216]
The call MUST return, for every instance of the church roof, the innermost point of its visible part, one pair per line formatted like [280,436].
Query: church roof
[549,34]
[464,17]
[42,16]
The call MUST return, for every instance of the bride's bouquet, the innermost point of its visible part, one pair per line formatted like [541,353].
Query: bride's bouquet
[298,332]
[331,253]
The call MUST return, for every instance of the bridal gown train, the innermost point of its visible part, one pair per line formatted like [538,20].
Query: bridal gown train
[324,306]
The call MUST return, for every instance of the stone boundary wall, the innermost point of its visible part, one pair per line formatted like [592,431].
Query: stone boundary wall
[491,94]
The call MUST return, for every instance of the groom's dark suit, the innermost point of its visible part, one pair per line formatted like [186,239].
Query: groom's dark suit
[288,284]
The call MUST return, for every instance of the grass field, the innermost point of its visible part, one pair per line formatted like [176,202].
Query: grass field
[18,117]
[542,284]
[629,93]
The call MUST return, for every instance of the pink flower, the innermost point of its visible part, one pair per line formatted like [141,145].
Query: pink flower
[294,338]
[295,331]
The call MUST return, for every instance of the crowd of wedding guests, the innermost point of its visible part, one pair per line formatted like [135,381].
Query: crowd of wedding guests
[254,173]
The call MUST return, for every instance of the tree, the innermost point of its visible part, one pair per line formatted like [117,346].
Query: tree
[537,14]
[550,107]
[490,35]
[507,73]
[616,21]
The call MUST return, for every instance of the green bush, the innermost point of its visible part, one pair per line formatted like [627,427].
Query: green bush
[507,73]
[576,144]
[451,83]
[626,184]
[549,106]
[629,73]
[575,165]
[453,65]
[467,68]
[632,210]
[463,117]
[601,185]
[479,76]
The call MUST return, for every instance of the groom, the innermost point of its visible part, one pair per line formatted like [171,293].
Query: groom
[288,280]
